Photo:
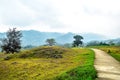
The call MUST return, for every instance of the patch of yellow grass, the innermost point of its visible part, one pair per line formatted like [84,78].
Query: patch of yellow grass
[41,68]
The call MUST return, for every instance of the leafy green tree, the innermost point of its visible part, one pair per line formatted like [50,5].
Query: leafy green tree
[50,42]
[12,42]
[77,42]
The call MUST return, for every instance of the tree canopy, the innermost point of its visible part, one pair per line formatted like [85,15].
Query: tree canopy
[77,42]
[50,42]
[12,42]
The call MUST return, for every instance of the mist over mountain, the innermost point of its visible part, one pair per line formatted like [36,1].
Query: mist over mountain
[36,38]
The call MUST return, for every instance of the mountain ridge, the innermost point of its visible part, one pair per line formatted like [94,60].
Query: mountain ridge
[36,38]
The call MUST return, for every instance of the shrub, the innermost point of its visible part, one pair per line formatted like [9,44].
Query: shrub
[8,58]
[109,51]
[24,55]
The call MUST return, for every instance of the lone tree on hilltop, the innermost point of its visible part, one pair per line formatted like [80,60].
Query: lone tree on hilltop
[12,42]
[77,42]
[50,42]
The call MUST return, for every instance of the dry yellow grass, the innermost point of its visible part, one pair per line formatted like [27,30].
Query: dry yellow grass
[42,68]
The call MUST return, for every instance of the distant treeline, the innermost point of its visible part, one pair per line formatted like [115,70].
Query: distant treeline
[103,43]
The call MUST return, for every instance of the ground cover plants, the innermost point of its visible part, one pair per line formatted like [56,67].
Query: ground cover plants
[40,64]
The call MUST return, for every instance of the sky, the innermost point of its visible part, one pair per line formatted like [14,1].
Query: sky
[77,16]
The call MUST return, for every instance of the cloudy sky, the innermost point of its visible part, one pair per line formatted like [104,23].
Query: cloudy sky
[78,16]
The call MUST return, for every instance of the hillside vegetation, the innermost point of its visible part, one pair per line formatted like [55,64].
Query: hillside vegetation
[48,63]
[40,52]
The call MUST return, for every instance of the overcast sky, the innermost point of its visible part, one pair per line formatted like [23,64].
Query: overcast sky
[78,16]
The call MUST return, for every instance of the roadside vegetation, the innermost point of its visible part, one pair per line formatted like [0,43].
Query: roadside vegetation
[111,47]
[114,51]
[85,71]
[40,64]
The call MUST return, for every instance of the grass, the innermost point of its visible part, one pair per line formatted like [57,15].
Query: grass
[114,51]
[86,71]
[75,64]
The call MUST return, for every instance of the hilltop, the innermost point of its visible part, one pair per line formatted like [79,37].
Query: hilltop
[40,52]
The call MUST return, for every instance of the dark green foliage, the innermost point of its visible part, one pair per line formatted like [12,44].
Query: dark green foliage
[108,51]
[50,42]
[77,41]
[12,42]
[97,43]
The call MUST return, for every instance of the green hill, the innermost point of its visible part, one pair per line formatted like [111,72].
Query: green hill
[48,63]
[40,52]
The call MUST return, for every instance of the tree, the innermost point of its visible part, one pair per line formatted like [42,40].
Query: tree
[12,42]
[77,40]
[50,42]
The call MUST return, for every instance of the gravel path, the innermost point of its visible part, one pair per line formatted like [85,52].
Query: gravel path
[107,67]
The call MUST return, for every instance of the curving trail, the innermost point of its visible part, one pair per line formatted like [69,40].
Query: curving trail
[107,67]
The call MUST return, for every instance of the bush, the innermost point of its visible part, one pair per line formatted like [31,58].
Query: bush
[24,55]
[8,58]
[108,51]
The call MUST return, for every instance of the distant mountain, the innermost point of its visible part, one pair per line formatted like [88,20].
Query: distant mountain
[36,38]
[93,37]
[116,41]
[65,38]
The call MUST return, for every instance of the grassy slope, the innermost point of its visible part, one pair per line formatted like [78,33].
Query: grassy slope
[112,50]
[76,64]
[84,71]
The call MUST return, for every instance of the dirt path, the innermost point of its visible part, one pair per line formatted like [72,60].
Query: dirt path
[107,67]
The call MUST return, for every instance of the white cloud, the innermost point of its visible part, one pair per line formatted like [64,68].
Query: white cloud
[97,16]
